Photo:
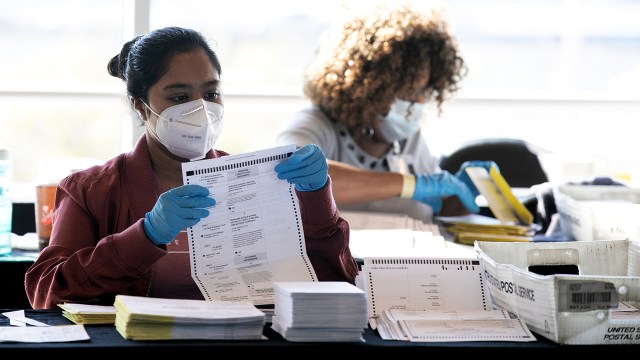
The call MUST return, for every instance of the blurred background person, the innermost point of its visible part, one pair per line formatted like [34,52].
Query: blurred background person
[368,85]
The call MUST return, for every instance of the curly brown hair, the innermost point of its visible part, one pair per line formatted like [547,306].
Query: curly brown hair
[363,65]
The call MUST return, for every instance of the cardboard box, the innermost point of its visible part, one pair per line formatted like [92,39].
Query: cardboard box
[581,305]
[592,212]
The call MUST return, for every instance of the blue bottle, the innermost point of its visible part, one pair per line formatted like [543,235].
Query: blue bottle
[6,205]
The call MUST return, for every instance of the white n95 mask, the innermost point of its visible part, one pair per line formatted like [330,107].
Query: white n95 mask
[401,121]
[189,130]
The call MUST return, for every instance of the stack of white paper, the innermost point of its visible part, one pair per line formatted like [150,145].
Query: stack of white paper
[143,318]
[319,311]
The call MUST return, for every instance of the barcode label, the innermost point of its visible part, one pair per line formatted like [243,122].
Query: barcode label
[578,295]
[583,298]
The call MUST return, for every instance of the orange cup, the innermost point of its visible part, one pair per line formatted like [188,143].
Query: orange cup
[45,201]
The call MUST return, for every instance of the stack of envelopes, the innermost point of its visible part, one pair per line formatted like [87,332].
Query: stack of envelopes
[88,314]
[324,311]
[468,228]
[144,318]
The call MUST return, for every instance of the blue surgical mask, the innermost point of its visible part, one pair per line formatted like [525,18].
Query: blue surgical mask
[402,120]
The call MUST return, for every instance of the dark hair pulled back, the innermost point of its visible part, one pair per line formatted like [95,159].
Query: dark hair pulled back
[143,60]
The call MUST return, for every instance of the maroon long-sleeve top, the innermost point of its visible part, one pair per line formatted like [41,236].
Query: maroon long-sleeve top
[98,247]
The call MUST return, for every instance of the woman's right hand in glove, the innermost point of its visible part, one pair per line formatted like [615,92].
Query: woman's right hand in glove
[176,210]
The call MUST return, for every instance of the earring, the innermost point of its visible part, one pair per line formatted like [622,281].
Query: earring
[367,132]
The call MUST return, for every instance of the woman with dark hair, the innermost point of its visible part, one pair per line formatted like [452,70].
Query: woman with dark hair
[119,228]
[368,84]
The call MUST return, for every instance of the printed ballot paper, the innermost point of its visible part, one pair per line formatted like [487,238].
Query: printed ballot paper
[435,299]
[253,236]
[419,283]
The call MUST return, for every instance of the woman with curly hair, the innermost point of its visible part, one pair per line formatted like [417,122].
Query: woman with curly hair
[368,84]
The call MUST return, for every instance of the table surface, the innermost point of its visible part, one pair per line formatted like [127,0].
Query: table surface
[107,340]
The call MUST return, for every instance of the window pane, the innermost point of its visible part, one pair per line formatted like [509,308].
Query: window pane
[541,48]
[549,48]
[46,130]
[264,46]
[59,106]
[58,101]
[59,44]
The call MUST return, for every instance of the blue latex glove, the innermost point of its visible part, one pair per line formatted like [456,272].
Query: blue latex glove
[176,210]
[431,188]
[462,173]
[306,168]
